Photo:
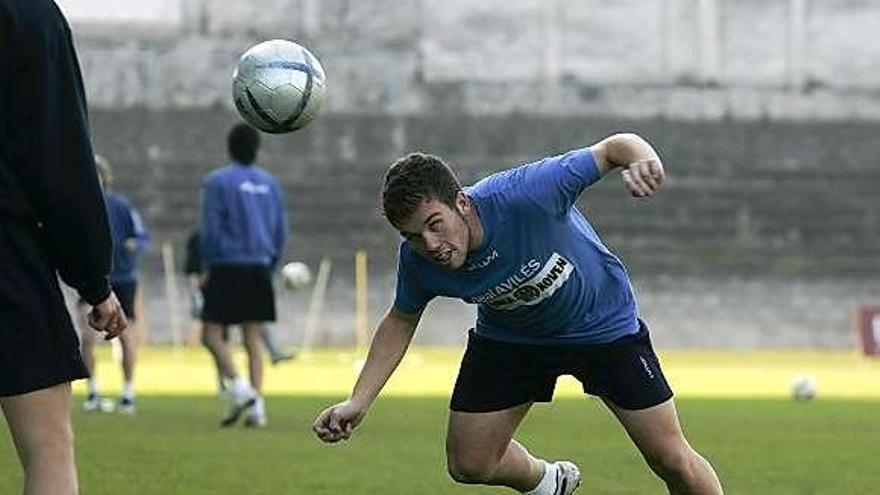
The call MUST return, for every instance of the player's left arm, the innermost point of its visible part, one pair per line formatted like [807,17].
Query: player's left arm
[139,239]
[641,169]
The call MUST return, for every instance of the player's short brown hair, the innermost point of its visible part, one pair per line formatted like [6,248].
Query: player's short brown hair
[414,179]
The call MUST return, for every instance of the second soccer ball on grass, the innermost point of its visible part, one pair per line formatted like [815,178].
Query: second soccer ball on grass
[296,275]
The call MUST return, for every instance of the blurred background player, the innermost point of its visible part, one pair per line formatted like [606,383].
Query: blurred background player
[52,222]
[130,240]
[243,231]
[192,268]
[552,299]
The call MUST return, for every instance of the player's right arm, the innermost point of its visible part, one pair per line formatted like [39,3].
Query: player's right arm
[641,169]
[392,338]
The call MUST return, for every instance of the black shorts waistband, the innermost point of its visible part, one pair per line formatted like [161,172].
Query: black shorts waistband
[639,334]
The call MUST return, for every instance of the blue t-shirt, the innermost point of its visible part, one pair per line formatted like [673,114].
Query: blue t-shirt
[243,220]
[125,223]
[541,275]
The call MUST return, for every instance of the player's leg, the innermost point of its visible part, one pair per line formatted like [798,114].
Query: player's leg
[480,449]
[252,343]
[128,340]
[40,426]
[35,372]
[212,339]
[627,375]
[220,300]
[658,436]
[224,306]
[88,336]
[241,396]
[257,311]
[270,341]
[496,385]
[212,347]
[126,293]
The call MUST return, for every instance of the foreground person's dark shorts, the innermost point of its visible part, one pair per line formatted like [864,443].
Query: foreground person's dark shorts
[39,347]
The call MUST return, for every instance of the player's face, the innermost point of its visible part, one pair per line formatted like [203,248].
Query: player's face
[439,232]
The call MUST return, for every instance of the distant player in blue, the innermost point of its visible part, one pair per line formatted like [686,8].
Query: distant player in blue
[552,300]
[130,240]
[242,238]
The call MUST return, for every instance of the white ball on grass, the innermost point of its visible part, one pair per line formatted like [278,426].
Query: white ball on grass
[804,388]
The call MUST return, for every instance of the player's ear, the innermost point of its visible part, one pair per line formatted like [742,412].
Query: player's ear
[462,203]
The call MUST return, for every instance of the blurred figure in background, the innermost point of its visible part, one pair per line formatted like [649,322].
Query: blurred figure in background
[192,267]
[242,237]
[130,240]
[52,222]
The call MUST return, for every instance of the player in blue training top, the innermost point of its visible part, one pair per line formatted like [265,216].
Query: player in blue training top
[130,240]
[243,231]
[552,300]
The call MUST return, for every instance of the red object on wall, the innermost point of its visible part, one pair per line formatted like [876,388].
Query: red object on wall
[868,329]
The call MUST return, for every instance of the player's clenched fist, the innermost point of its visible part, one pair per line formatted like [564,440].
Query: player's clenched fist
[108,317]
[644,177]
[337,422]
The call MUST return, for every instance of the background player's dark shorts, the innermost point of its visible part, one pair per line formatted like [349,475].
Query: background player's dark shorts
[39,347]
[125,293]
[239,293]
[497,375]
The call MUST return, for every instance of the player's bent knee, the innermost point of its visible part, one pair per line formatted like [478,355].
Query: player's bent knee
[470,469]
[673,465]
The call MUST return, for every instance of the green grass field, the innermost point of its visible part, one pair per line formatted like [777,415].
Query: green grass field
[734,407]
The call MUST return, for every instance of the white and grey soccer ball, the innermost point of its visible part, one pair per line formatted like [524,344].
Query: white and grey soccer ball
[296,275]
[804,388]
[278,86]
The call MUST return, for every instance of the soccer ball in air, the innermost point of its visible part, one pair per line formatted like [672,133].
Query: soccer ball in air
[296,275]
[803,388]
[278,86]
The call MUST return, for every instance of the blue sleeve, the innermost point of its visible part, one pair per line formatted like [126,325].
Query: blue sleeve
[555,183]
[138,230]
[410,296]
[279,234]
[210,229]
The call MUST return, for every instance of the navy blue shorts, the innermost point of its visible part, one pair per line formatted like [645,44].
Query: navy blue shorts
[239,294]
[497,375]
[39,347]
[126,292]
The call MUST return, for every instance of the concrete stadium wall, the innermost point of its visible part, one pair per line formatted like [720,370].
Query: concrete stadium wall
[792,204]
[691,59]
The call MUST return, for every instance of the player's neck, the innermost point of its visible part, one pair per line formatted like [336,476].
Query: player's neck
[475,227]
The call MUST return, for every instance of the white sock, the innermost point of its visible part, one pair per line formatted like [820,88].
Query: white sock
[260,406]
[93,386]
[128,389]
[240,386]
[547,485]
